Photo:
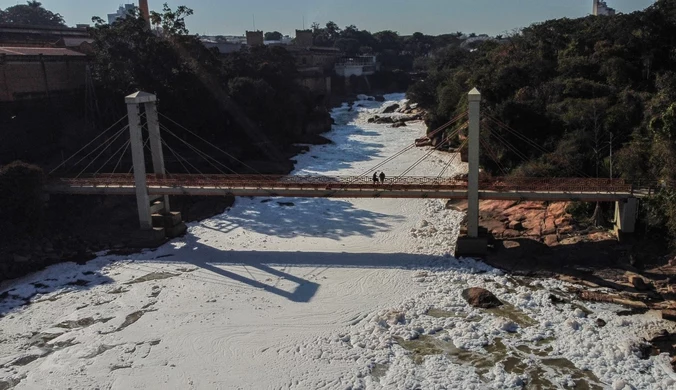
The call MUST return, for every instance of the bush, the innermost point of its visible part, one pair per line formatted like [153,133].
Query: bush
[21,202]
[658,214]
[581,211]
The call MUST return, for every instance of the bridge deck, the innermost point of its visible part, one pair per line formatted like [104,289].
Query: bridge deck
[556,189]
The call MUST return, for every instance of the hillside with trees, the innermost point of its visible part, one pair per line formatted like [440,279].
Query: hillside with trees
[31,13]
[248,101]
[394,51]
[572,86]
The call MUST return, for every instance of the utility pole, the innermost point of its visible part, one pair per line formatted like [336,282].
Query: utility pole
[611,154]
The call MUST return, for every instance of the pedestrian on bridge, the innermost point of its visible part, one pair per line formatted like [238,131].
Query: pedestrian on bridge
[375,177]
[382,177]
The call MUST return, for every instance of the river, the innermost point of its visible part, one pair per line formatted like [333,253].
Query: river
[316,293]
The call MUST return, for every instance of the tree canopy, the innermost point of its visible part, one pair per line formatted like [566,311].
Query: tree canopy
[31,13]
[571,86]
[395,52]
[250,98]
[273,36]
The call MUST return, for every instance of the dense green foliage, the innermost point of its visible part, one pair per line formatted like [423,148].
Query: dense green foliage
[567,85]
[249,100]
[30,13]
[21,203]
[273,36]
[393,51]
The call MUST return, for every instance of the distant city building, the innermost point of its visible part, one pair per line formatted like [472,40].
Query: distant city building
[601,8]
[356,66]
[223,47]
[304,38]
[255,38]
[285,41]
[121,13]
[468,41]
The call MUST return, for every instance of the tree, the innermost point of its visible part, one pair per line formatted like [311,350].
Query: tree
[387,40]
[273,36]
[249,101]
[31,13]
[172,22]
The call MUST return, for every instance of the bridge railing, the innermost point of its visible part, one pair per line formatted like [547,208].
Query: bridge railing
[497,184]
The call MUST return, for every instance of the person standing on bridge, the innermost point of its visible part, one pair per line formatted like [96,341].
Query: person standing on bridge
[375,177]
[382,177]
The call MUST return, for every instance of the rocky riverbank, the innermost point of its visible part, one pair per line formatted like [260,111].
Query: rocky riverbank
[399,115]
[540,239]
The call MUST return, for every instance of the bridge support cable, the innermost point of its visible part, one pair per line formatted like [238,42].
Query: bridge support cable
[423,158]
[200,153]
[412,146]
[443,171]
[126,148]
[88,144]
[101,148]
[493,155]
[518,135]
[179,157]
[447,125]
[180,161]
[210,144]
[529,141]
[508,145]
[112,156]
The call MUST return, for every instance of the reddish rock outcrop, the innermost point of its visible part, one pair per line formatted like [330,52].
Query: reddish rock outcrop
[546,222]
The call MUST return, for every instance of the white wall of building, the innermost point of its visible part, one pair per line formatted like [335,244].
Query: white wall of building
[600,7]
[121,12]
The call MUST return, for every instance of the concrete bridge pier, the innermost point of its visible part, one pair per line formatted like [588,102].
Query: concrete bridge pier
[472,244]
[626,212]
[155,217]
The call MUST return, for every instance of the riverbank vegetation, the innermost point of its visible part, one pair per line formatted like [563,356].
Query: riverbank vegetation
[576,88]
[395,52]
[242,101]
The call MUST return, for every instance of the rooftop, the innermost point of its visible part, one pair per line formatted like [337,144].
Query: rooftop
[34,51]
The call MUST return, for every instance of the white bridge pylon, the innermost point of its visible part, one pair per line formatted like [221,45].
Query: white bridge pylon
[474,99]
[146,205]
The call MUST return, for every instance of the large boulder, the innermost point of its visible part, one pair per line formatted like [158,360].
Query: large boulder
[482,298]
[391,109]
[380,98]
[384,120]
[639,283]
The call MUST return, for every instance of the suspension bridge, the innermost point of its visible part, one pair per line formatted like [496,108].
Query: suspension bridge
[152,189]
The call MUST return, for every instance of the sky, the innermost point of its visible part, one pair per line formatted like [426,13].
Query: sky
[234,17]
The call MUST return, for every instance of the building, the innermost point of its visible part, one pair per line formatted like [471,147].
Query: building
[28,73]
[356,66]
[121,13]
[43,36]
[600,7]
[255,38]
[38,62]
[304,38]
[222,47]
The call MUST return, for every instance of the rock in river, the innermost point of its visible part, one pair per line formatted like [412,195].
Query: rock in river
[391,109]
[479,297]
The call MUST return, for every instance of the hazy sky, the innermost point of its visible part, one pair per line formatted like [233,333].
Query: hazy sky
[233,17]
